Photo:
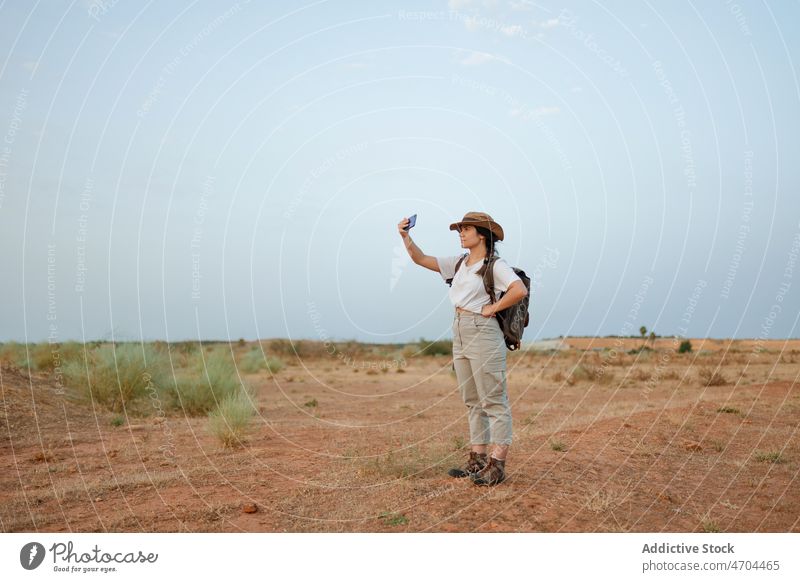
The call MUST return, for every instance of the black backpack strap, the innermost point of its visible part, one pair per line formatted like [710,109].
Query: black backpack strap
[458,264]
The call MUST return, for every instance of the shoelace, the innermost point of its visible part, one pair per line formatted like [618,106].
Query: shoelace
[492,471]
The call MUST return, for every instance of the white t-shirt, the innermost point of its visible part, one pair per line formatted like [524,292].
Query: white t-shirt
[467,290]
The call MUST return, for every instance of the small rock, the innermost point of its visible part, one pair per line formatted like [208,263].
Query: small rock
[692,447]
[249,508]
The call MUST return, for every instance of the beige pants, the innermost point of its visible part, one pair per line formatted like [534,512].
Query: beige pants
[479,358]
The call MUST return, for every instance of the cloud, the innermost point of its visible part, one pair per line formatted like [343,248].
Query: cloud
[471,23]
[511,30]
[474,5]
[474,58]
[549,23]
[526,5]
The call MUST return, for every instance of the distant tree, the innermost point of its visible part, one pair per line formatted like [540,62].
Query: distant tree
[686,346]
[643,331]
[653,338]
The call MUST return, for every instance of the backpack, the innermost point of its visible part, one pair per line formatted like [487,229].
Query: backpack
[513,320]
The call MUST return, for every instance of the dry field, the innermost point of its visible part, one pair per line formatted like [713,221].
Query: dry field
[361,440]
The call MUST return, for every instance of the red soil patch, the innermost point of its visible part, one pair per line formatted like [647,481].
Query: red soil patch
[647,449]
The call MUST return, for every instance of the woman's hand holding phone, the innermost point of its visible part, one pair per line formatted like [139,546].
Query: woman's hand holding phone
[405,225]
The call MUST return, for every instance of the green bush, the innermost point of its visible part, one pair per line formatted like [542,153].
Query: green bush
[45,357]
[274,365]
[254,361]
[41,356]
[230,421]
[299,348]
[185,347]
[206,384]
[429,348]
[14,353]
[686,346]
[116,375]
[640,350]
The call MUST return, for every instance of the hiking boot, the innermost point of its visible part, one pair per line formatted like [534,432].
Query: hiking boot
[475,463]
[493,473]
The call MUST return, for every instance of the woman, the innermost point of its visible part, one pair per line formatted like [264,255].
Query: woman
[479,349]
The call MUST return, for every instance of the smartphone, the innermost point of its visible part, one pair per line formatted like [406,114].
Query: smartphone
[412,220]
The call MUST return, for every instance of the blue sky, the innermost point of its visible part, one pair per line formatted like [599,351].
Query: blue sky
[211,170]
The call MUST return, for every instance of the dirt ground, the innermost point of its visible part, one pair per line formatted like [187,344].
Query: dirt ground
[624,443]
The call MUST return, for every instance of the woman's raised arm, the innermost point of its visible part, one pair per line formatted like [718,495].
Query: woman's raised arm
[414,251]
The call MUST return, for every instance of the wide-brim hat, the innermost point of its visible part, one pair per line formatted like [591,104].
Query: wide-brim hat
[480,219]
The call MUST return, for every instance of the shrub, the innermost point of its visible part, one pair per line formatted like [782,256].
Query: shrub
[614,358]
[71,351]
[769,457]
[280,346]
[410,351]
[254,361]
[41,356]
[230,421]
[641,350]
[14,353]
[393,518]
[274,365]
[670,375]
[728,410]
[685,347]
[185,347]
[115,375]
[46,356]
[309,349]
[711,377]
[210,381]
[587,372]
[441,347]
